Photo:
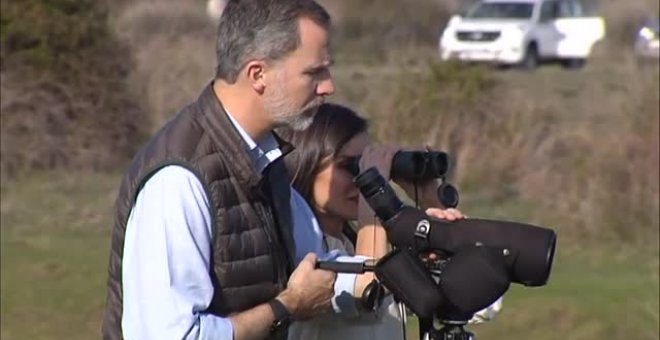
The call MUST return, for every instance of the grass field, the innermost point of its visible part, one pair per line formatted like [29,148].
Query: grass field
[55,238]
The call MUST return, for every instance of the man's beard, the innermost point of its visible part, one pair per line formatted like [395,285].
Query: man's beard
[285,113]
[299,120]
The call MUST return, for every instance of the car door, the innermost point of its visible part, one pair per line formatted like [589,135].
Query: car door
[547,35]
[573,30]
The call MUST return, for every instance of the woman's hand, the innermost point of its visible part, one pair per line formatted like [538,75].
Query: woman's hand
[425,192]
[450,214]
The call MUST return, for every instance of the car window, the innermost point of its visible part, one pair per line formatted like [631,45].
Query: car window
[501,10]
[465,6]
[549,11]
[570,9]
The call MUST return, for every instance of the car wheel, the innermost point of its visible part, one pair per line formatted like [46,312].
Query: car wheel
[574,63]
[531,59]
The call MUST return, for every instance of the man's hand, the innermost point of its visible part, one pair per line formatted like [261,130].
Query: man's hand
[309,291]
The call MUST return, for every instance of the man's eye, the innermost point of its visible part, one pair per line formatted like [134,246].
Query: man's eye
[316,72]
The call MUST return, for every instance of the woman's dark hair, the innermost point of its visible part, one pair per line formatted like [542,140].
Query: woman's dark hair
[333,126]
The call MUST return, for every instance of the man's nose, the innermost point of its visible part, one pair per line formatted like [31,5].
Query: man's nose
[325,87]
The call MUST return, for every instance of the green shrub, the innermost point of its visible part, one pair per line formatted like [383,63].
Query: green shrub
[65,99]
[52,34]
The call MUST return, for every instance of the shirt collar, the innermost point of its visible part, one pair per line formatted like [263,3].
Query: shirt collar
[262,152]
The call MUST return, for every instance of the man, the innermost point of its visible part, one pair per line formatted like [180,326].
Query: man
[207,232]
[214,8]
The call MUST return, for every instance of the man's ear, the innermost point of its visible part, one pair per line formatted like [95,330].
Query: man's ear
[256,75]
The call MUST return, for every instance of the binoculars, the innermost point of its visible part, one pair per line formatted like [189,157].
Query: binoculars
[411,165]
[418,166]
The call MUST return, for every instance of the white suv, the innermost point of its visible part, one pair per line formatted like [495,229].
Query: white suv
[522,32]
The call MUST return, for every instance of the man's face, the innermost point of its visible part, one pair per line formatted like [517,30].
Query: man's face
[299,82]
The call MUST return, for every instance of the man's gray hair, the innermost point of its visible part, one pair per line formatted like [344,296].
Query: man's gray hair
[261,30]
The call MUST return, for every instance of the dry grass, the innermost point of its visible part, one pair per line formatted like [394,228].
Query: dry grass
[173,43]
[581,146]
[49,124]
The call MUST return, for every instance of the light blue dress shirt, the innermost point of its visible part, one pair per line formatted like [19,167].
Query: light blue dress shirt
[167,252]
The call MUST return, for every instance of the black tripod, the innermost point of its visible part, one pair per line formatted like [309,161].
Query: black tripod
[451,330]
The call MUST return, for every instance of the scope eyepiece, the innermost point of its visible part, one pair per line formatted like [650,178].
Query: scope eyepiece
[379,194]
[370,182]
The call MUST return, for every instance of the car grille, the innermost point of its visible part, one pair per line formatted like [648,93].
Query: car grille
[477,36]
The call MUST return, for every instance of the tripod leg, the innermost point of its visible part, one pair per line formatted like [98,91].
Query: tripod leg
[404,320]
[425,326]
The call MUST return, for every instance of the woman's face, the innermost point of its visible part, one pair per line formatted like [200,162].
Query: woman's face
[334,192]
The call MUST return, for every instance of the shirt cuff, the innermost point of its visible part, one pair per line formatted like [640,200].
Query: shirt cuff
[487,313]
[344,301]
[212,327]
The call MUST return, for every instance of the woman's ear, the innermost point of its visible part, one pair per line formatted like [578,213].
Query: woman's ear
[256,73]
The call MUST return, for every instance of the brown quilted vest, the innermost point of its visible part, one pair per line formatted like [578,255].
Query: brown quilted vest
[252,242]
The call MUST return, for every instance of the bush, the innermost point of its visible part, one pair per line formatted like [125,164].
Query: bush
[65,99]
[53,35]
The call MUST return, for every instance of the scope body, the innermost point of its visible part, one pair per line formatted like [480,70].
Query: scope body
[530,248]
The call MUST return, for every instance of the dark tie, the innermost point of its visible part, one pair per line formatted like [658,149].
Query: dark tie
[277,181]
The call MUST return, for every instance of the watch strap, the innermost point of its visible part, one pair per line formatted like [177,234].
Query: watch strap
[282,315]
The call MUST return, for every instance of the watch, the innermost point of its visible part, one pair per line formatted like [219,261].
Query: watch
[282,316]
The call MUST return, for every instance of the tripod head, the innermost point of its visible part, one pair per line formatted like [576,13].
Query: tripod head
[452,330]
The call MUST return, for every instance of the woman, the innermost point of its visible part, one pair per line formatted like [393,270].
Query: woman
[320,171]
